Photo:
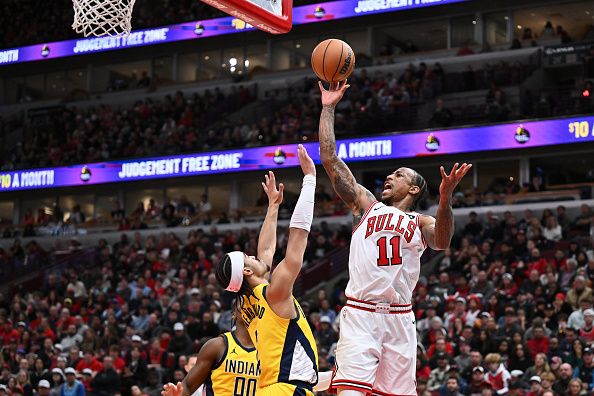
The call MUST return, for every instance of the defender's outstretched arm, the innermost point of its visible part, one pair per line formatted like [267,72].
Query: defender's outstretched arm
[283,278]
[267,238]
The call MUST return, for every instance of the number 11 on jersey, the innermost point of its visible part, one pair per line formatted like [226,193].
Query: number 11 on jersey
[393,245]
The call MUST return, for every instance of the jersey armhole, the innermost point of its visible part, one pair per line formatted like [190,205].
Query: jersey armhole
[274,314]
[418,216]
[365,215]
[224,355]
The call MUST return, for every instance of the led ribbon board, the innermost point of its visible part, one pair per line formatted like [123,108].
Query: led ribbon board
[387,147]
[322,12]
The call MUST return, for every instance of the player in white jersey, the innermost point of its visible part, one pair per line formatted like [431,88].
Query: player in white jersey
[376,353]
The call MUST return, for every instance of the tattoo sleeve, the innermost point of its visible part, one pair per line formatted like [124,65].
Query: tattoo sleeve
[342,179]
[444,223]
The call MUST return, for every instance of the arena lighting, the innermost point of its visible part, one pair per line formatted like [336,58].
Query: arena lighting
[516,135]
[315,13]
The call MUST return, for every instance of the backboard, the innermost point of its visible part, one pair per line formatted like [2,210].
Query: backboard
[272,16]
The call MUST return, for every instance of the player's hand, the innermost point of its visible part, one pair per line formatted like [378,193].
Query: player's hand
[331,97]
[172,390]
[275,196]
[449,182]
[307,164]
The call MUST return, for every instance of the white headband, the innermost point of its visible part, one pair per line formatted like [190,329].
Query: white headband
[237,263]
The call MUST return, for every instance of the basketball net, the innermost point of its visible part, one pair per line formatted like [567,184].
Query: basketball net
[102,17]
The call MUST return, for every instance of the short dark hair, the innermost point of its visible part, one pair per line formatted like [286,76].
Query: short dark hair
[419,181]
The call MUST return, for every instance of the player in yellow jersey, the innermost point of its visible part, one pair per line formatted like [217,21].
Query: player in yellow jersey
[286,346]
[225,366]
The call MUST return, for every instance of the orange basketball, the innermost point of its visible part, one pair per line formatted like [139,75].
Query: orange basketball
[333,60]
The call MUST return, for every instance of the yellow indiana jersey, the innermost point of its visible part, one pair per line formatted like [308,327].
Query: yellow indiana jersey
[286,347]
[237,372]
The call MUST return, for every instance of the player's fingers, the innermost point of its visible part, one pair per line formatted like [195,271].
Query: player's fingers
[281,188]
[442,171]
[302,147]
[321,86]
[453,172]
[264,187]
[272,178]
[463,170]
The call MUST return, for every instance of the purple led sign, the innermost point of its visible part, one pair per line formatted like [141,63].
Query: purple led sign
[418,144]
[208,28]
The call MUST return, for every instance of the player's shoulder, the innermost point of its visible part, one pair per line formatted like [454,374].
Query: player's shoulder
[215,350]
[216,343]
[423,219]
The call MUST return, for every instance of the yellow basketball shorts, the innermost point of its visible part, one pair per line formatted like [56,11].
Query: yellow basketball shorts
[283,389]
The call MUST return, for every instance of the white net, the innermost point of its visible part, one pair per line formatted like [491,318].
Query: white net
[103,17]
[273,6]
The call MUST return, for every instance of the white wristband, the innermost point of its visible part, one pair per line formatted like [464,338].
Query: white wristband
[303,213]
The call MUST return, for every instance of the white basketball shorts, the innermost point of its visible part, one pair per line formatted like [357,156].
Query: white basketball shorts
[377,350]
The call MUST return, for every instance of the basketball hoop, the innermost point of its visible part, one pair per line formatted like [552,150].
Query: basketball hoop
[272,16]
[102,17]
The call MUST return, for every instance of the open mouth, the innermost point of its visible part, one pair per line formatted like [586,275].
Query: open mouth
[387,187]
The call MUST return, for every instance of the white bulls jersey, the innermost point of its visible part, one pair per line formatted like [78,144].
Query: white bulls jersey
[384,260]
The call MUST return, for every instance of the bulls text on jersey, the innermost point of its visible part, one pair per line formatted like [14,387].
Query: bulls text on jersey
[388,222]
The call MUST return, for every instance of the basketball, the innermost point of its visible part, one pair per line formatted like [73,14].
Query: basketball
[333,60]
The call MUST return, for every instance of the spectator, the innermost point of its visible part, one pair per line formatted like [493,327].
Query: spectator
[476,360]
[43,388]
[552,232]
[204,206]
[72,386]
[583,221]
[89,361]
[72,338]
[498,110]
[536,184]
[535,386]
[579,292]
[135,371]
[539,343]
[180,344]
[477,382]
[497,375]
[452,387]
[575,387]
[442,117]
[325,335]
[565,376]
[107,381]
[438,376]
[57,381]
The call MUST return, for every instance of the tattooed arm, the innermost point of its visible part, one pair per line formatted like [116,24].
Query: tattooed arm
[438,231]
[357,197]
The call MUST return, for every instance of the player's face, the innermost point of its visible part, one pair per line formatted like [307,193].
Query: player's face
[398,185]
[257,266]
[238,319]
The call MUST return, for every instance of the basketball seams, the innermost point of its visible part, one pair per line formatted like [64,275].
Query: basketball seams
[339,60]
[324,59]
[340,63]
